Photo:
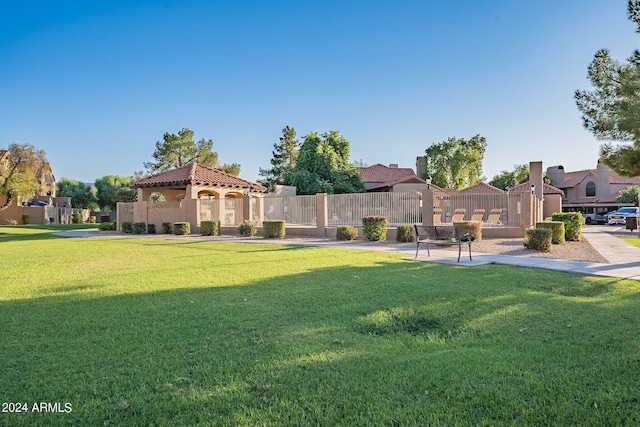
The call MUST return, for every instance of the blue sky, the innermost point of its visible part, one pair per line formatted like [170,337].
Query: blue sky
[96,83]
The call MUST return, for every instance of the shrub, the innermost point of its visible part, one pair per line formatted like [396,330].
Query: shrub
[404,233]
[12,221]
[167,228]
[26,219]
[92,219]
[273,229]
[210,228]
[181,228]
[474,228]
[76,218]
[127,227]
[374,228]
[346,232]
[151,228]
[107,226]
[538,239]
[557,230]
[139,228]
[572,224]
[247,228]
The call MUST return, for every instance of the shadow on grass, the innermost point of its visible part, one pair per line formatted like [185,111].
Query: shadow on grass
[12,233]
[386,344]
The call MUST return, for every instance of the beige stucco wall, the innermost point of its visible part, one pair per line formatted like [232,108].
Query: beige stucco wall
[552,204]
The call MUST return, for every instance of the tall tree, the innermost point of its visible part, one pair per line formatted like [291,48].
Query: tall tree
[456,162]
[18,172]
[322,166]
[178,150]
[629,195]
[82,195]
[612,110]
[283,161]
[112,189]
[509,179]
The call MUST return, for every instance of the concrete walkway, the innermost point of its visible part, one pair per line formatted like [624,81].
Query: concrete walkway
[624,259]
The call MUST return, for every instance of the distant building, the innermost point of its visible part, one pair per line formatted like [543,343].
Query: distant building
[591,190]
[381,178]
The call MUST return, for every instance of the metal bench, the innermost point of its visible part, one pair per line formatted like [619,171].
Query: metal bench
[441,235]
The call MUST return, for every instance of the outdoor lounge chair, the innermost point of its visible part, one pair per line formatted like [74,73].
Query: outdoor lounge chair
[458,215]
[494,217]
[478,214]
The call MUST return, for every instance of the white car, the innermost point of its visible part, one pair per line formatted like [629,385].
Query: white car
[620,216]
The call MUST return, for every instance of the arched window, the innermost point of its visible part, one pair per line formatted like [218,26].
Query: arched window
[591,189]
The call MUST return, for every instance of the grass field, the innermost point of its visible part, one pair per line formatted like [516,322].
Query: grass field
[144,331]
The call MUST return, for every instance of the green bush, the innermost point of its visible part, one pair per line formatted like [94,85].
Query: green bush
[273,229]
[247,229]
[404,233]
[139,228]
[167,228]
[107,226]
[474,228]
[127,227]
[346,232]
[374,228]
[151,228]
[538,239]
[26,219]
[92,219]
[210,228]
[76,218]
[557,230]
[572,224]
[181,228]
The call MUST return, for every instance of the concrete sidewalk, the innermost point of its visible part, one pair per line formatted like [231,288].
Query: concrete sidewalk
[624,259]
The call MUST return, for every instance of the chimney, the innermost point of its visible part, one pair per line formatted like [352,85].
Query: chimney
[556,175]
[393,166]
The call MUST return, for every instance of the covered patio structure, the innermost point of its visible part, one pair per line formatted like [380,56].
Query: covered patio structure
[194,193]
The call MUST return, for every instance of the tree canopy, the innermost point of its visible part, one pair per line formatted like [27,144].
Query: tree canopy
[82,196]
[283,161]
[112,189]
[509,179]
[322,166]
[181,149]
[18,172]
[456,162]
[612,110]
[629,195]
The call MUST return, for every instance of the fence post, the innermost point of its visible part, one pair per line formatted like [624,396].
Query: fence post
[321,213]
[427,206]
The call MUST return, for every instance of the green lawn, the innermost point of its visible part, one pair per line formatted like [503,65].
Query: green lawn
[635,241]
[181,332]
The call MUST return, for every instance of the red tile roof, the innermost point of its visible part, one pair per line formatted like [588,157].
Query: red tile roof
[480,188]
[526,187]
[380,173]
[197,174]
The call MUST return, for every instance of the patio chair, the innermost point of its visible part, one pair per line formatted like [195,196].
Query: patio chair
[478,214]
[494,217]
[458,215]
[437,216]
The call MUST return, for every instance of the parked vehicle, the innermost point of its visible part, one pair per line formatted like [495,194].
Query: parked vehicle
[620,216]
[594,219]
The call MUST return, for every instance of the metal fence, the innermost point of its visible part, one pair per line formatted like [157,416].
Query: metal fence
[399,208]
[124,212]
[298,210]
[509,203]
